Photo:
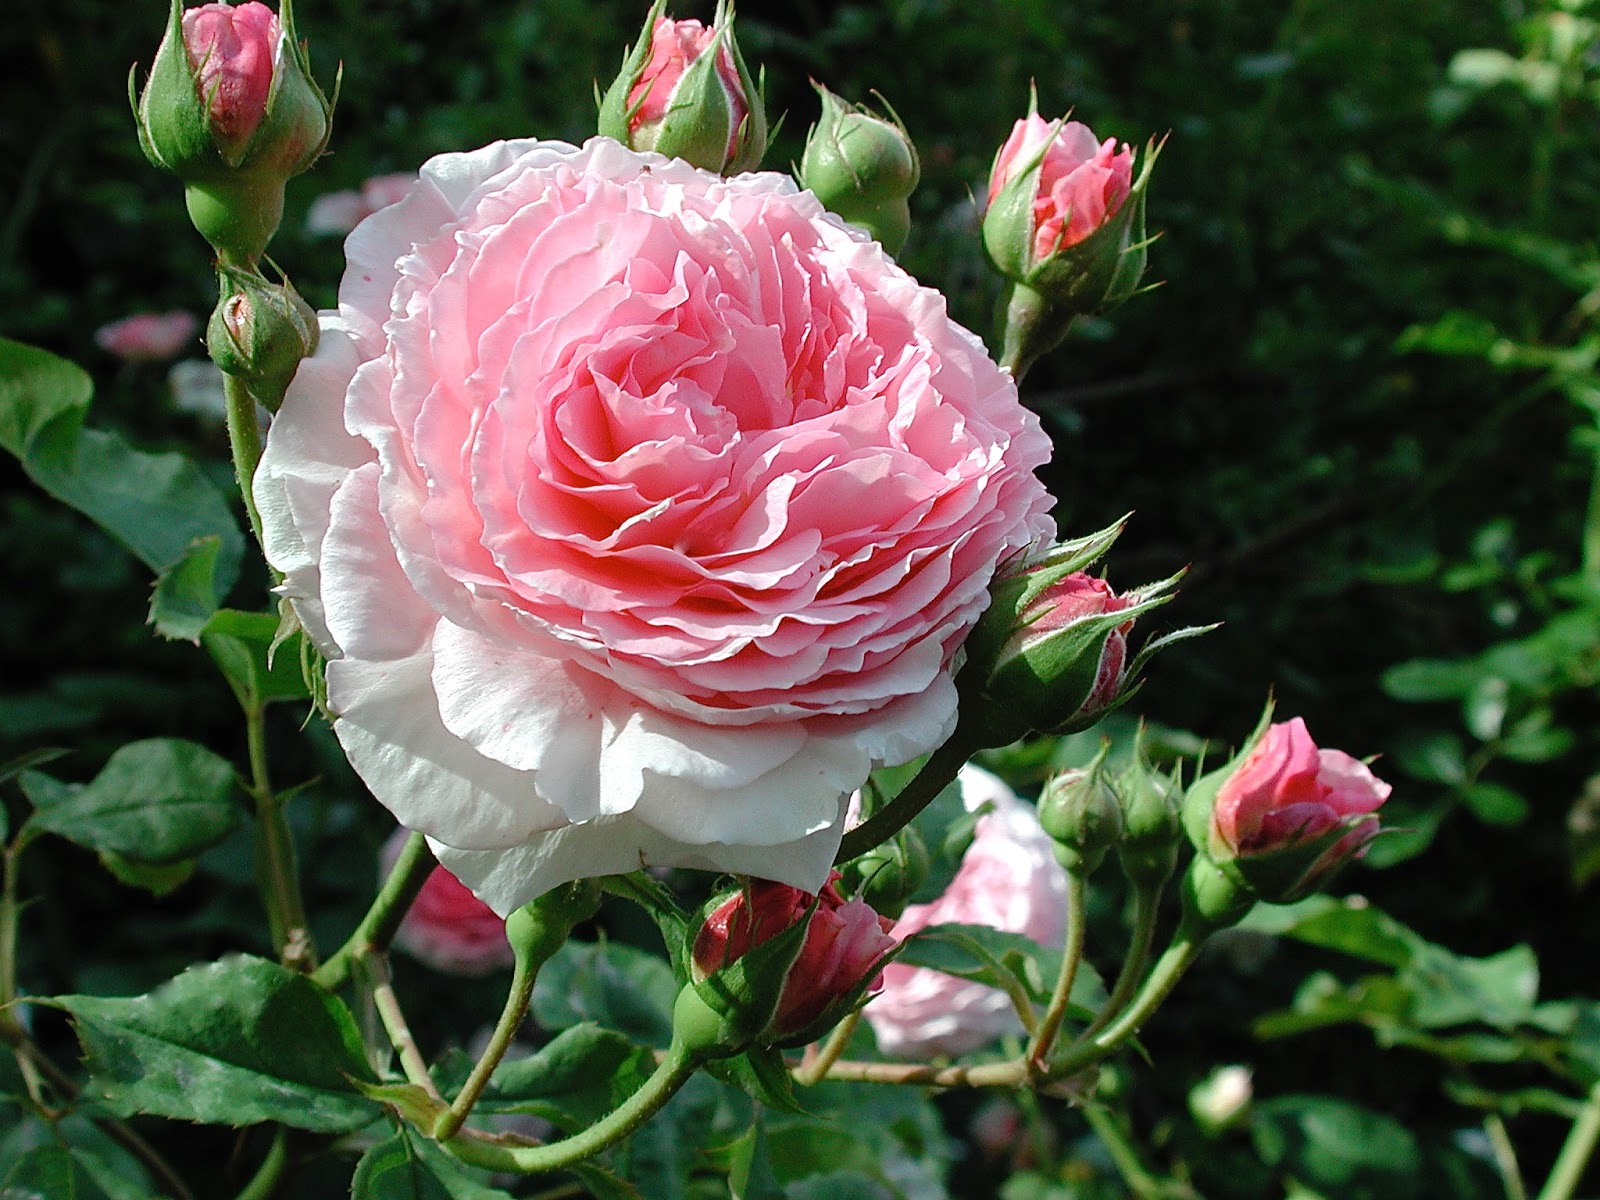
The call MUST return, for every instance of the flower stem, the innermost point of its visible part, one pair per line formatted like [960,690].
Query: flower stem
[1146,907]
[1071,956]
[524,972]
[1591,526]
[1575,1151]
[1141,1182]
[1505,1157]
[276,871]
[942,766]
[670,1074]
[244,439]
[395,1024]
[813,1072]
[1030,328]
[264,1183]
[377,928]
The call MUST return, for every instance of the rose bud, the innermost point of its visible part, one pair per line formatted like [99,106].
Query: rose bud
[259,332]
[1284,815]
[1222,1099]
[1151,831]
[1082,813]
[447,927]
[231,109]
[1008,880]
[862,167]
[148,337]
[1065,223]
[784,966]
[1050,655]
[685,92]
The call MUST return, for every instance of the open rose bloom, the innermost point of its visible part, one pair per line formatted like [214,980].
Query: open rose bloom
[639,514]
[1009,880]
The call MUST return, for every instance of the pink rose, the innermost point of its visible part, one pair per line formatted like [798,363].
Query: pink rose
[1010,880]
[1081,184]
[148,337]
[1286,793]
[843,944]
[340,212]
[447,927]
[233,49]
[639,514]
[1070,600]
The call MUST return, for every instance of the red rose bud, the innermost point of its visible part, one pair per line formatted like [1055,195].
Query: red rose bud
[1050,655]
[840,957]
[684,91]
[231,109]
[862,167]
[1284,815]
[1065,223]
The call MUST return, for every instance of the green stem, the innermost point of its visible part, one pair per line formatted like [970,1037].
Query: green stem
[1146,908]
[1505,1158]
[264,1183]
[1575,1151]
[525,970]
[275,857]
[813,1072]
[1071,956]
[377,928]
[894,816]
[244,439]
[1591,525]
[1169,968]
[670,1074]
[1141,1183]
[395,1025]
[1030,328]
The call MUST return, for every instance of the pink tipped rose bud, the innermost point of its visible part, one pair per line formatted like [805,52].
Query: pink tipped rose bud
[1081,181]
[1069,601]
[686,93]
[148,337]
[1009,879]
[843,946]
[1286,792]
[447,927]
[232,50]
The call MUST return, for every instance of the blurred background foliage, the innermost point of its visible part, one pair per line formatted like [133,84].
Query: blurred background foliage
[1361,408]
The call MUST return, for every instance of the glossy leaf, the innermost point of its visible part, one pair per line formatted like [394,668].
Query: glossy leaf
[235,1042]
[155,802]
[579,1077]
[996,958]
[610,984]
[405,1167]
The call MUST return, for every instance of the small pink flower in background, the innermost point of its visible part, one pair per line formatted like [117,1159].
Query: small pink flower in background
[842,947]
[340,212]
[674,45]
[639,513]
[149,337]
[1009,880]
[1286,792]
[233,50]
[1082,181]
[447,927]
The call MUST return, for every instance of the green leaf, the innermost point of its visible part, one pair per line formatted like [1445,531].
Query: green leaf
[1426,679]
[160,506]
[1495,804]
[43,1173]
[579,1077]
[750,1176]
[999,959]
[1339,1149]
[235,1042]
[155,802]
[404,1167]
[157,880]
[1453,990]
[610,984]
[760,1072]
[241,643]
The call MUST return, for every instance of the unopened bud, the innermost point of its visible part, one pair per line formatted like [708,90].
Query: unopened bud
[887,876]
[259,332]
[1082,813]
[862,167]
[1152,831]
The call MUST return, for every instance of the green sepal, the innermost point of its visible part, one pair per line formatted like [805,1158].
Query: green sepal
[863,167]
[408,1100]
[615,112]
[743,995]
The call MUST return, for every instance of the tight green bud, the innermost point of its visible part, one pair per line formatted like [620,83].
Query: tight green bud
[1082,813]
[887,876]
[259,332]
[862,167]
[1152,829]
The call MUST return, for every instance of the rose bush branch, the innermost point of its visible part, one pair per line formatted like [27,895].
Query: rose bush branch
[377,928]
[1576,1151]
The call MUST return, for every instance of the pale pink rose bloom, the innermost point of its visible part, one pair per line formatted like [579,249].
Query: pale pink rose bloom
[674,45]
[1008,880]
[233,50]
[1082,181]
[1287,791]
[149,337]
[340,212]
[447,927]
[639,513]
